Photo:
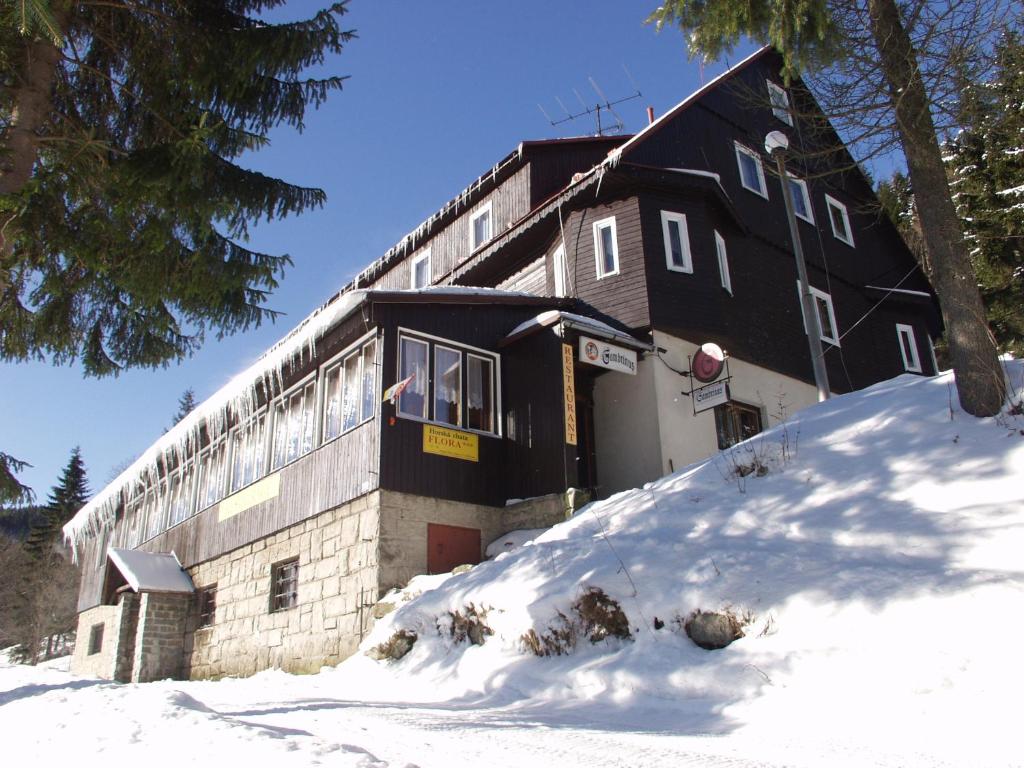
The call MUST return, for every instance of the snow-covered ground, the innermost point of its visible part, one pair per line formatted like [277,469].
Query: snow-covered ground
[877,560]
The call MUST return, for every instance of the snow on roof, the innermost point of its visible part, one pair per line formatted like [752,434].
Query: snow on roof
[237,398]
[150,571]
[579,322]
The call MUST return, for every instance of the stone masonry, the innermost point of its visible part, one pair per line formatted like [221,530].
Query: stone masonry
[160,639]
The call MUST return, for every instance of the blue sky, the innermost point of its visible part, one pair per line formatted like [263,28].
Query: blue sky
[438,92]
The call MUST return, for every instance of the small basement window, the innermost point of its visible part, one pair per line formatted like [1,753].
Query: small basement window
[677,242]
[207,597]
[840,220]
[606,247]
[908,348]
[780,102]
[480,226]
[95,639]
[284,585]
[751,171]
[735,422]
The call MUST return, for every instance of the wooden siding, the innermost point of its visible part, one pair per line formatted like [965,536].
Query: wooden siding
[450,246]
[624,295]
[530,279]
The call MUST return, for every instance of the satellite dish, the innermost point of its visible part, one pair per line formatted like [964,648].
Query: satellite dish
[708,363]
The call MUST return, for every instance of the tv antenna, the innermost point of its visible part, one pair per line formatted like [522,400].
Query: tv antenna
[604,105]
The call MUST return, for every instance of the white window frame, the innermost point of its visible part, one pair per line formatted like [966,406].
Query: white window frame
[416,261]
[246,427]
[431,341]
[599,253]
[220,444]
[274,414]
[723,262]
[833,204]
[558,269]
[483,210]
[826,300]
[906,333]
[805,196]
[740,152]
[668,218]
[779,99]
[358,347]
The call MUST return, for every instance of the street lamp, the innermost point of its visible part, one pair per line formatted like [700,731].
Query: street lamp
[777,144]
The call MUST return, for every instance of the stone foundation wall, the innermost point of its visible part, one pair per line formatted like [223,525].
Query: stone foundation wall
[337,554]
[102,664]
[160,639]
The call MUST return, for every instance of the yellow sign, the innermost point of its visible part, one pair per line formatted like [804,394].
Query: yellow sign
[247,498]
[569,385]
[451,443]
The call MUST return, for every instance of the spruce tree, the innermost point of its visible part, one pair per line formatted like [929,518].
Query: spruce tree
[885,65]
[123,207]
[985,162]
[186,404]
[67,497]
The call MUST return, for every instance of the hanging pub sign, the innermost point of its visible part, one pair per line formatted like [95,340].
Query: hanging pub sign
[710,395]
[605,355]
[569,388]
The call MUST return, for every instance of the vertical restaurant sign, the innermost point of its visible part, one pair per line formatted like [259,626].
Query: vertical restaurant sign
[605,355]
[451,442]
[569,385]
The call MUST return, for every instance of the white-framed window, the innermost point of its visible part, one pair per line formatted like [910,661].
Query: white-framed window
[826,314]
[180,493]
[248,452]
[558,269]
[350,388]
[481,227]
[751,170]
[294,425]
[606,247]
[677,242]
[420,271]
[212,472]
[908,348]
[723,262]
[780,102]
[840,220]
[801,199]
[154,510]
[453,383]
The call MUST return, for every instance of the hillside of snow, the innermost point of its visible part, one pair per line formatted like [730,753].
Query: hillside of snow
[871,545]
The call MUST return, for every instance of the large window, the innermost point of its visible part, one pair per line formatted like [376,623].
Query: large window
[284,585]
[606,249]
[908,348]
[840,220]
[248,452]
[420,277]
[751,171]
[350,389]
[294,425]
[677,242]
[480,226]
[451,384]
[212,466]
[736,422]
[180,494]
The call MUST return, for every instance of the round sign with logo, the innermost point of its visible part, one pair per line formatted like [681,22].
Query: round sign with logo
[708,363]
[591,351]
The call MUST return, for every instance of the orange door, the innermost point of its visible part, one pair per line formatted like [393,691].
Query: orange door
[450,545]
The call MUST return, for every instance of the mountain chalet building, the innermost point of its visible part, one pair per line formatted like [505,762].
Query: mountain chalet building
[539,327]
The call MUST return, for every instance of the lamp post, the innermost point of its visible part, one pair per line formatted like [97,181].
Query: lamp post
[777,143]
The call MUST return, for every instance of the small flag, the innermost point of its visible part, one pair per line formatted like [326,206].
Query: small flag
[392,392]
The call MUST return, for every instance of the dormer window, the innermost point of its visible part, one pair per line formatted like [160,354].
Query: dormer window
[480,226]
[780,102]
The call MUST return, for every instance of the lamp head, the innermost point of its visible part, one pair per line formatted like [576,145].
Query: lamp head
[776,140]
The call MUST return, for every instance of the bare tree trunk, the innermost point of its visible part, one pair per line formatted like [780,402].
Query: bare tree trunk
[979,376]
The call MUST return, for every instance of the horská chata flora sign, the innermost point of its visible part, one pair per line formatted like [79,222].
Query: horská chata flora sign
[451,443]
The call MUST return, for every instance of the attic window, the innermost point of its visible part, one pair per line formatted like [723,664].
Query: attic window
[751,172]
[780,102]
[840,220]
[480,226]
[420,277]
